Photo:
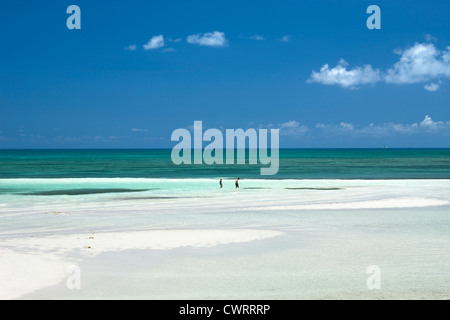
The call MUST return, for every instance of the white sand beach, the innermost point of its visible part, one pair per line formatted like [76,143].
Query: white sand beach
[281,239]
[34,262]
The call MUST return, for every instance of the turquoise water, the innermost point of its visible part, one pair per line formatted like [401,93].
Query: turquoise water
[294,164]
[29,176]
[339,211]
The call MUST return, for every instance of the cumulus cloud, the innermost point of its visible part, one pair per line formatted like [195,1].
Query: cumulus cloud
[346,78]
[421,63]
[154,43]
[429,125]
[210,39]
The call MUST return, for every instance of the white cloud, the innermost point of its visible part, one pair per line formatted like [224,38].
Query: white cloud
[257,37]
[131,47]
[430,38]
[347,126]
[291,128]
[385,129]
[107,138]
[66,139]
[210,39]
[351,78]
[422,62]
[290,124]
[342,128]
[431,87]
[285,38]
[429,125]
[388,128]
[428,122]
[138,130]
[288,128]
[154,43]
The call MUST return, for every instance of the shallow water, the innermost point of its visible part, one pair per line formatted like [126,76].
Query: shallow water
[329,231]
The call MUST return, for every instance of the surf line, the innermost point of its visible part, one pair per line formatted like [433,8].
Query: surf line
[213,152]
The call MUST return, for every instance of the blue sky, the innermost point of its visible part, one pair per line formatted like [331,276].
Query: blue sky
[137,70]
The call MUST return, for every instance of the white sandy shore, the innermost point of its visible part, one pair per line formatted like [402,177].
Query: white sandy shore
[332,230]
[28,264]
[372,204]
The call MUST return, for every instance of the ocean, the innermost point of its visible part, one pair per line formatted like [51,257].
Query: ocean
[294,164]
[141,227]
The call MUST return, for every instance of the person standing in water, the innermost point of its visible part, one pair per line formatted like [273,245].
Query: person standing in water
[220,183]
[237,183]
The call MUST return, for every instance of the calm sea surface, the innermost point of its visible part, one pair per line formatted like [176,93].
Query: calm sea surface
[294,164]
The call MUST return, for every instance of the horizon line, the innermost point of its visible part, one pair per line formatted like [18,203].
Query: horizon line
[284,148]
